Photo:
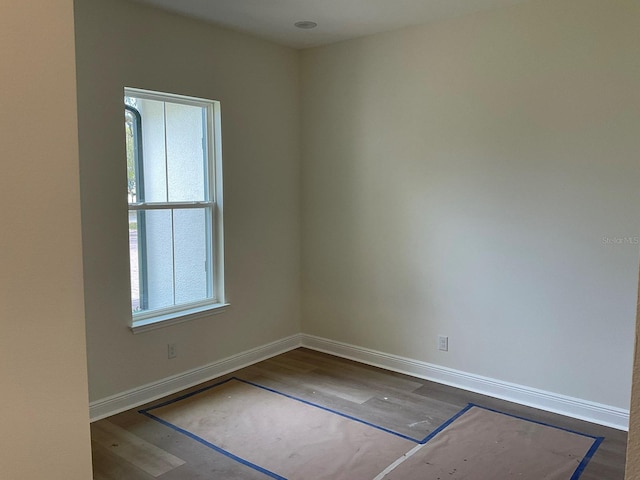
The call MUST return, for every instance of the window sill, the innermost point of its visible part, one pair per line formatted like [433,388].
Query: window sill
[161,321]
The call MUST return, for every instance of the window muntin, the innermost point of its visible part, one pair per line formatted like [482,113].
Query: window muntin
[174,194]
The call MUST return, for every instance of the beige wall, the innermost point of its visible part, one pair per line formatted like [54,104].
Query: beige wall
[44,414]
[459,179]
[126,44]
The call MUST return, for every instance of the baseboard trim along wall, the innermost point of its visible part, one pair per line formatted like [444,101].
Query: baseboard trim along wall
[572,407]
[153,391]
[552,402]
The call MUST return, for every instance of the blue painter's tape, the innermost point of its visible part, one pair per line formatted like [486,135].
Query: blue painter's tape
[213,447]
[446,424]
[587,458]
[578,472]
[597,441]
[534,421]
[187,395]
[335,412]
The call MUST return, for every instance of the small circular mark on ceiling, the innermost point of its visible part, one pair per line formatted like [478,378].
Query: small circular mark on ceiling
[306,24]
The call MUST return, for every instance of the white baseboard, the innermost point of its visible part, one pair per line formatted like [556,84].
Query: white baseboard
[167,386]
[572,407]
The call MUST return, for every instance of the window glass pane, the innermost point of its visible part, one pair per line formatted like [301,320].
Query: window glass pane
[154,161]
[134,262]
[158,236]
[190,254]
[131,131]
[185,154]
[168,257]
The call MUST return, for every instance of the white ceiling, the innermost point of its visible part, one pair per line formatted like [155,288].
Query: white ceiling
[337,19]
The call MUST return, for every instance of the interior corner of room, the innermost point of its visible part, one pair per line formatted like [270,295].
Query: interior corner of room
[474,179]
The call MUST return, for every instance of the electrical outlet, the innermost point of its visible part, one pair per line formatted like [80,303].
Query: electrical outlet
[172,351]
[443,343]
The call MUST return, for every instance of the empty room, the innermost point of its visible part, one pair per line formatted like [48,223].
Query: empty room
[397,240]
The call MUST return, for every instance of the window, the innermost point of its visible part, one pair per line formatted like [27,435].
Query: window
[174,190]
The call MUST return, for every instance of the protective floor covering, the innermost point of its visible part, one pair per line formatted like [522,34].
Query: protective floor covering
[287,438]
[482,444]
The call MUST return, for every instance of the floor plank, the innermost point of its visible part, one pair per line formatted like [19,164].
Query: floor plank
[107,466]
[133,449]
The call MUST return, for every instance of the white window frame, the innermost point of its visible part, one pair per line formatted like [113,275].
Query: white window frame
[152,319]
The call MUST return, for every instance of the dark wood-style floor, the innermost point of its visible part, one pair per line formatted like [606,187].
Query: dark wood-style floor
[130,446]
